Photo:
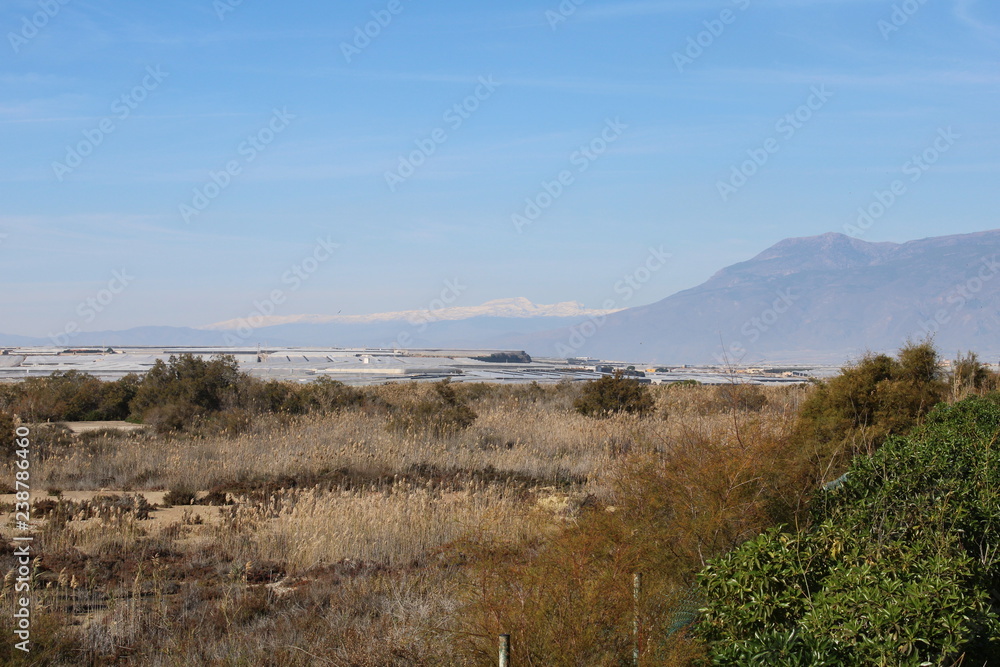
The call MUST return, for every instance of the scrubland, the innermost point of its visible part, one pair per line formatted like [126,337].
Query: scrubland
[377,534]
[414,523]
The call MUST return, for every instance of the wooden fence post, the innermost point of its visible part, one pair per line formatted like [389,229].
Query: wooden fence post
[636,593]
[504,650]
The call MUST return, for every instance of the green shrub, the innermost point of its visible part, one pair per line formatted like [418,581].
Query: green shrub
[180,394]
[184,393]
[443,414]
[614,394]
[875,398]
[897,569]
[69,396]
[115,398]
[189,381]
[181,494]
[326,395]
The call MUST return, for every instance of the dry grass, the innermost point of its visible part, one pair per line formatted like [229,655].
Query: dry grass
[390,527]
[351,542]
[517,431]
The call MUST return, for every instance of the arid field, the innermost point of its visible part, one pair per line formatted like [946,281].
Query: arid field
[373,535]
[413,524]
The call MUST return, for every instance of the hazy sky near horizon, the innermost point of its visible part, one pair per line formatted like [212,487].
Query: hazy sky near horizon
[196,157]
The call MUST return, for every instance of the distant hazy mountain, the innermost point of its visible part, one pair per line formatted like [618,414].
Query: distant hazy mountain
[473,331]
[139,336]
[821,298]
[11,340]
[818,299]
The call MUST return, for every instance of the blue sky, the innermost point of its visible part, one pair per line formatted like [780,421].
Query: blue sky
[199,78]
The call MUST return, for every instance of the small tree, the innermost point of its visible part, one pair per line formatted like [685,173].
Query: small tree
[444,413]
[875,398]
[614,394]
[175,394]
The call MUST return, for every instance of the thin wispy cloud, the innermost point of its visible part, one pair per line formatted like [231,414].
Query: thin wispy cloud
[965,12]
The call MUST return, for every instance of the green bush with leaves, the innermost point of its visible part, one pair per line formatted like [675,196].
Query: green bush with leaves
[175,394]
[898,568]
[614,394]
[184,393]
[69,396]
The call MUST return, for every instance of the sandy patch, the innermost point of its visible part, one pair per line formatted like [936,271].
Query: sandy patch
[158,517]
[84,427]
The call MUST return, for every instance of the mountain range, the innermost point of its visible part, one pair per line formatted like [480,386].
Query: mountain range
[824,298]
[819,299]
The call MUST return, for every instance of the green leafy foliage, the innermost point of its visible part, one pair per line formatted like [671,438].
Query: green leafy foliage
[184,393]
[614,394]
[898,568]
[69,396]
[175,393]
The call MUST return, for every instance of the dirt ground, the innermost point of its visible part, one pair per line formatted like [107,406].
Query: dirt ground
[84,427]
[158,517]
